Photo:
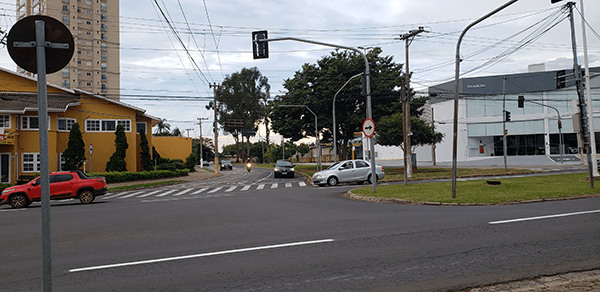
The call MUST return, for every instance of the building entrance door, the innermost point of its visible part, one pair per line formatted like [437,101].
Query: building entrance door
[4,167]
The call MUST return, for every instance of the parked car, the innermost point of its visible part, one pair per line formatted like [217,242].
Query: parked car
[345,171]
[226,164]
[205,163]
[63,185]
[283,167]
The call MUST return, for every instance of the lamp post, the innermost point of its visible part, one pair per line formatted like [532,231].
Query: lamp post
[317,144]
[334,129]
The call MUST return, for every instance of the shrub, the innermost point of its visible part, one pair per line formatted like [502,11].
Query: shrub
[113,176]
[191,161]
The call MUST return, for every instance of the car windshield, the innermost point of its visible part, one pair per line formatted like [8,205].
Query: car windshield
[283,163]
[226,162]
[334,165]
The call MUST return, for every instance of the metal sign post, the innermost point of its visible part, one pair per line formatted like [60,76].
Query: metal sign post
[59,49]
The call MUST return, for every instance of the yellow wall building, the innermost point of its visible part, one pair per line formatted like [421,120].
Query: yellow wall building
[96,115]
[173,147]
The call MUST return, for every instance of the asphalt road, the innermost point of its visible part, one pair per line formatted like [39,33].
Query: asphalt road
[210,236]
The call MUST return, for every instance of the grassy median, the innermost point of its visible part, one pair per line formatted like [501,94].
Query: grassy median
[478,191]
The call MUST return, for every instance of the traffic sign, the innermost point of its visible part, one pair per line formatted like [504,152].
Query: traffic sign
[368,128]
[91,149]
[59,44]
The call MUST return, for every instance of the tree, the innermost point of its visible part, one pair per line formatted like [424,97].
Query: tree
[315,86]
[389,131]
[117,161]
[75,153]
[239,97]
[145,154]
[303,149]
[162,128]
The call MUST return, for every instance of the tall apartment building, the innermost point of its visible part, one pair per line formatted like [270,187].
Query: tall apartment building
[95,28]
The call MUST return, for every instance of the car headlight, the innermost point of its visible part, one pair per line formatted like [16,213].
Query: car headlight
[6,190]
[292,169]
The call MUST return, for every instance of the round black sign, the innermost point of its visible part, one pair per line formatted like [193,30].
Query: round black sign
[56,33]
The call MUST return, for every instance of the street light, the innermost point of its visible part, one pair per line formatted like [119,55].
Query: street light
[317,144]
[334,129]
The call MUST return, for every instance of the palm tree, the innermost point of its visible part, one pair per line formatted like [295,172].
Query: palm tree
[163,127]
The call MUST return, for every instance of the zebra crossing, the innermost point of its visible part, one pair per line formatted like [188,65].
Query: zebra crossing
[205,191]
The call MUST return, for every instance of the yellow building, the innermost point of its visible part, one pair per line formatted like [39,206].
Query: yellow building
[96,115]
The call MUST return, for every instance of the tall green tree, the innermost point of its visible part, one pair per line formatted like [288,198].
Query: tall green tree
[239,97]
[117,161]
[145,154]
[162,128]
[315,86]
[389,131]
[75,153]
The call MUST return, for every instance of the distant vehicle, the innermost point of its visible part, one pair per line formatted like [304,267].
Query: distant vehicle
[205,163]
[345,171]
[283,167]
[248,165]
[63,185]
[226,164]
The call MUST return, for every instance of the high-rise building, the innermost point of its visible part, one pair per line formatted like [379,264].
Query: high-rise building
[95,28]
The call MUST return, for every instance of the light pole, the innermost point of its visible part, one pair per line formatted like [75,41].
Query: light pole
[317,144]
[334,129]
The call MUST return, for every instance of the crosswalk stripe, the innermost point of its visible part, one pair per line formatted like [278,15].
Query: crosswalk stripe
[302,184]
[260,187]
[246,187]
[274,186]
[149,194]
[166,193]
[199,191]
[182,192]
[288,185]
[231,189]
[131,195]
[112,195]
[215,190]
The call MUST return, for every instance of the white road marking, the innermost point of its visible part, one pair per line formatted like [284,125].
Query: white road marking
[149,194]
[131,195]
[112,195]
[544,217]
[260,187]
[201,255]
[231,189]
[246,187]
[199,191]
[302,184]
[215,190]
[274,186]
[288,185]
[182,192]
[10,210]
[166,193]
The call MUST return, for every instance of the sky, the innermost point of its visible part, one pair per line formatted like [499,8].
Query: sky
[170,75]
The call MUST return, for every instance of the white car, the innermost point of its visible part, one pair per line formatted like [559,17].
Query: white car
[345,171]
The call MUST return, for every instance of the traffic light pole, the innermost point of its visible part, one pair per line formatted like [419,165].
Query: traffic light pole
[560,136]
[264,53]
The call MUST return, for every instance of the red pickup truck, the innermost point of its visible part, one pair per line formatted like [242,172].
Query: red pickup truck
[63,185]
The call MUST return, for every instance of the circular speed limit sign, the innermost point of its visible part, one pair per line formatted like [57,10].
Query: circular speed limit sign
[368,128]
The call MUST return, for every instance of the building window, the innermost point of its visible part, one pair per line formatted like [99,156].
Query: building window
[88,73]
[4,121]
[65,72]
[103,66]
[102,16]
[65,83]
[103,46]
[31,162]
[88,63]
[65,19]
[88,22]
[89,84]
[65,8]
[103,36]
[62,163]
[106,125]
[103,87]
[103,77]
[65,124]
[103,6]
[103,56]
[103,26]
[31,123]
[88,32]
[140,126]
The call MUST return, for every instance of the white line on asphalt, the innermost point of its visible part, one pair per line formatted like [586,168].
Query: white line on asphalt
[199,191]
[131,195]
[112,195]
[302,184]
[215,190]
[149,194]
[544,217]
[10,210]
[231,189]
[201,255]
[166,193]
[182,192]
[246,187]
[260,187]
[288,185]
[274,186]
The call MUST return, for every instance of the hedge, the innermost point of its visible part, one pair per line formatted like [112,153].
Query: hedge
[114,176]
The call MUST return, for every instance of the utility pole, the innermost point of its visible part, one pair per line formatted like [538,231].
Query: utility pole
[201,141]
[406,132]
[216,129]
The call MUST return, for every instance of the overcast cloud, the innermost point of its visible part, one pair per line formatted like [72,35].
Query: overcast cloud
[154,64]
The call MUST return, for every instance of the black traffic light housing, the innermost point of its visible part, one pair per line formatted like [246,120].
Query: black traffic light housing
[521,101]
[506,116]
[559,124]
[260,50]
[554,1]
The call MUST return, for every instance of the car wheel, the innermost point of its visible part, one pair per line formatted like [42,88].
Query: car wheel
[370,180]
[86,197]
[18,201]
[360,182]
[332,181]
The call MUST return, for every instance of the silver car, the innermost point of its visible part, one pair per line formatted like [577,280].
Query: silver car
[357,171]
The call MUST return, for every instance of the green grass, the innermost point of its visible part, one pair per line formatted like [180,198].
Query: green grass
[148,185]
[477,191]
[397,174]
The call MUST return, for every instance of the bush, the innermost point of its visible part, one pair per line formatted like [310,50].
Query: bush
[191,161]
[170,164]
[113,176]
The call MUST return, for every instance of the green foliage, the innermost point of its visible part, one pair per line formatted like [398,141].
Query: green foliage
[170,164]
[145,154]
[207,148]
[389,131]
[117,161]
[275,152]
[191,161]
[113,176]
[75,153]
[303,149]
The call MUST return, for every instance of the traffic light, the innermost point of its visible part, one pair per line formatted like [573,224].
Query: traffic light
[554,1]
[260,50]
[521,101]
[506,116]
[559,124]
[560,79]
